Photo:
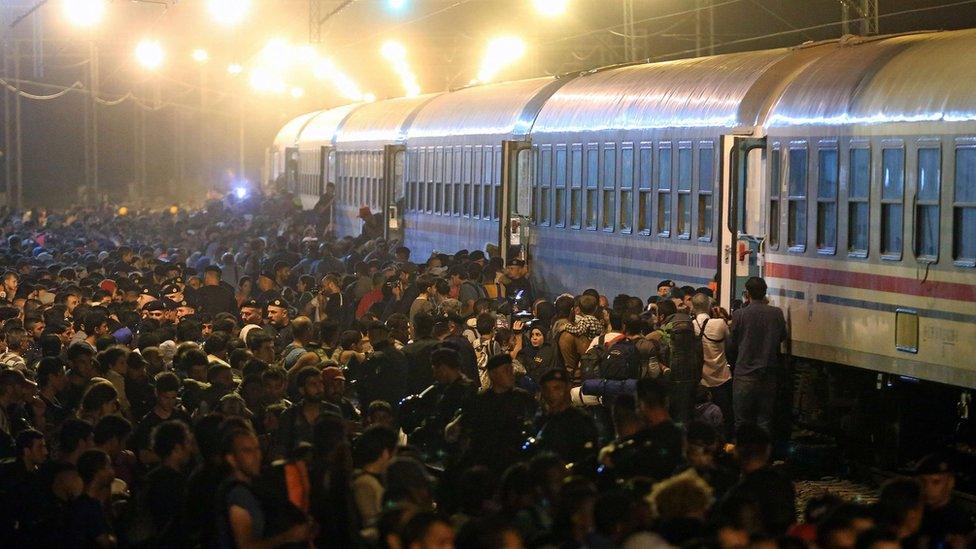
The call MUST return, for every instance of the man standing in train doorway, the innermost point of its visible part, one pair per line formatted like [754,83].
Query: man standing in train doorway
[372,224]
[758,329]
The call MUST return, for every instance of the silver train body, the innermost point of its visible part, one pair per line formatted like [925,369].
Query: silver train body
[844,172]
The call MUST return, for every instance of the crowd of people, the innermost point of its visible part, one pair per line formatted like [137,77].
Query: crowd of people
[236,376]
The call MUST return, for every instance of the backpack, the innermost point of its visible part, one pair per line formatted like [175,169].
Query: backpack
[683,349]
[478,288]
[616,359]
[483,350]
[621,361]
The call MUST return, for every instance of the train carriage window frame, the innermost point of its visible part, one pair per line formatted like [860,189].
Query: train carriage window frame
[544,186]
[797,191]
[927,202]
[906,330]
[575,205]
[591,169]
[488,183]
[664,168]
[645,189]
[437,174]
[705,205]
[859,179]
[559,209]
[497,183]
[625,219]
[467,166]
[477,175]
[828,192]
[608,188]
[684,190]
[457,181]
[892,209]
[964,205]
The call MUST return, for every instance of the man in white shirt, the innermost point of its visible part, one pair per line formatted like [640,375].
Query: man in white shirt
[716,374]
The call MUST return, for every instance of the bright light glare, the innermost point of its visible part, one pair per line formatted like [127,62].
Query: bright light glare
[241,193]
[297,92]
[396,5]
[266,81]
[234,68]
[551,8]
[369,98]
[200,55]
[150,54]
[84,13]
[396,54]
[501,53]
[228,12]
[326,69]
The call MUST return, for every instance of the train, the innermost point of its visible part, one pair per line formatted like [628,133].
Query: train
[842,171]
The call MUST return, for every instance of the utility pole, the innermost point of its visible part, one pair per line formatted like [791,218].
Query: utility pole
[630,44]
[19,152]
[93,109]
[240,140]
[7,131]
[862,12]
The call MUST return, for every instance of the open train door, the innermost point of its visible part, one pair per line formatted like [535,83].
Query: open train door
[392,194]
[743,231]
[514,204]
[291,169]
[326,167]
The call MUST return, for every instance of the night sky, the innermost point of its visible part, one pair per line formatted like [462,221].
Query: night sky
[444,46]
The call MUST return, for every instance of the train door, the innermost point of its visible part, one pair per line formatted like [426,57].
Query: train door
[291,169]
[743,228]
[326,161]
[393,190]
[514,204]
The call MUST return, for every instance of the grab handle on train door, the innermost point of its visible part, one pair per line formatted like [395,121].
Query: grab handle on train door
[915,224]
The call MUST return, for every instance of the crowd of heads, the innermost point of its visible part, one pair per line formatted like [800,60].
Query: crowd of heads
[236,374]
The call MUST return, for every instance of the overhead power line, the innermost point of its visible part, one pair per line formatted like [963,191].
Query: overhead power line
[813,27]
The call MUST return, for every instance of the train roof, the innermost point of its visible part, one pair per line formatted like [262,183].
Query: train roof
[380,123]
[708,92]
[483,114]
[878,82]
[290,133]
[322,128]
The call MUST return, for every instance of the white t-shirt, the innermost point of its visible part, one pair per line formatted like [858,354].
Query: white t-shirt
[715,370]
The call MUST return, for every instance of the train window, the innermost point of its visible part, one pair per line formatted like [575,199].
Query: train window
[457,181]
[443,192]
[706,186]
[927,196]
[964,208]
[466,168]
[796,230]
[476,177]
[664,190]
[434,184]
[627,189]
[892,202]
[858,209]
[684,190]
[559,207]
[545,184]
[645,196]
[592,181]
[609,187]
[411,177]
[497,164]
[576,191]
[487,173]
[827,175]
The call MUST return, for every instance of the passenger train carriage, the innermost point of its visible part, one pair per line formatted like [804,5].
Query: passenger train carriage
[843,171]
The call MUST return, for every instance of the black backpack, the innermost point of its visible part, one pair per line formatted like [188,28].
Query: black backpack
[683,349]
[618,361]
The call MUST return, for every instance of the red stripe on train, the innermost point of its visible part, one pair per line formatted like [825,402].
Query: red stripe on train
[866,281]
